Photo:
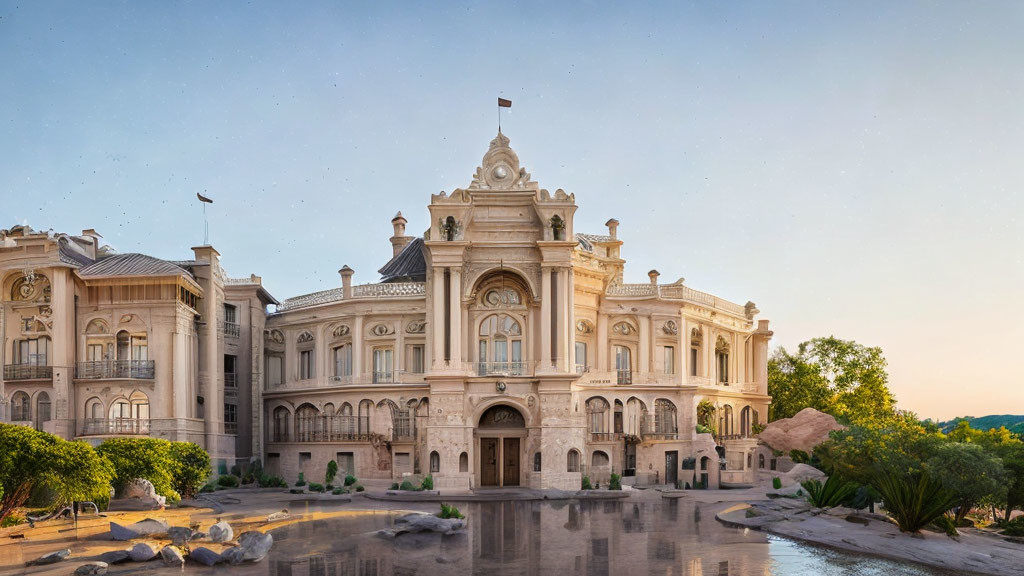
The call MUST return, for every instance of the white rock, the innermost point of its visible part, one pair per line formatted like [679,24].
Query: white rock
[221,532]
[255,544]
[139,494]
[147,527]
[172,556]
[51,558]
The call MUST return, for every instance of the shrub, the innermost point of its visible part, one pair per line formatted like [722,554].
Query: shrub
[799,456]
[207,489]
[148,458]
[315,487]
[394,486]
[833,492]
[338,491]
[332,472]
[1013,527]
[585,483]
[615,482]
[192,467]
[428,483]
[228,481]
[407,486]
[350,480]
[777,483]
[359,488]
[302,480]
[947,524]
[449,511]
[12,520]
[913,501]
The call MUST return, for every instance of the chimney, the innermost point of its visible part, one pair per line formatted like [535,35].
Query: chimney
[95,237]
[399,240]
[653,275]
[613,226]
[346,280]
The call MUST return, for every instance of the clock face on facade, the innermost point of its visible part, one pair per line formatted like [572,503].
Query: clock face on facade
[501,386]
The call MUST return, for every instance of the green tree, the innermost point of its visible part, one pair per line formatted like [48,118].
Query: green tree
[30,458]
[840,377]
[191,468]
[861,452]
[148,458]
[970,473]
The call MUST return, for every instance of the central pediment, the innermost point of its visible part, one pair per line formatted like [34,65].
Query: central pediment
[500,169]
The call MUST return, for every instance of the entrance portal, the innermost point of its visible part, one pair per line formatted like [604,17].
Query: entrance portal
[501,431]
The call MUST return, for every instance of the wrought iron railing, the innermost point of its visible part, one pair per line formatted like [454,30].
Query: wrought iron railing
[330,429]
[27,372]
[231,329]
[103,369]
[501,368]
[385,377]
[230,380]
[109,426]
[624,376]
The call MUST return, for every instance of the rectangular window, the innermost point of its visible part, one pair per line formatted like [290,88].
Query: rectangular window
[723,368]
[140,348]
[417,359]
[517,351]
[670,360]
[346,463]
[230,414]
[35,352]
[383,368]
[230,314]
[693,361]
[401,461]
[305,365]
[623,365]
[581,356]
[94,353]
[343,360]
[274,370]
[483,351]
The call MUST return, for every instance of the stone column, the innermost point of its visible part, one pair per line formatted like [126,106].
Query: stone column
[179,372]
[545,320]
[62,358]
[564,333]
[602,343]
[709,354]
[684,349]
[455,305]
[643,360]
[357,348]
[437,318]
[399,349]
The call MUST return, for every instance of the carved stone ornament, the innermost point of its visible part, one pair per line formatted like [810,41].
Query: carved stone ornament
[670,327]
[502,298]
[381,330]
[275,336]
[500,170]
[584,327]
[126,318]
[340,331]
[416,327]
[450,228]
[624,329]
[46,312]
[721,346]
[306,336]
[696,336]
[500,386]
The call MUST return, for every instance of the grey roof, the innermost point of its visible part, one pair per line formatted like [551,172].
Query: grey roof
[408,266]
[131,265]
[71,254]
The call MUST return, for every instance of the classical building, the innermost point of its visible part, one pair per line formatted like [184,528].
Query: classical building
[501,348]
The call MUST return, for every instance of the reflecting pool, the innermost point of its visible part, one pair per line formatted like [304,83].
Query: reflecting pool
[665,537]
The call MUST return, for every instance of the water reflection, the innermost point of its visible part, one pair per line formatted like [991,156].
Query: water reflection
[564,538]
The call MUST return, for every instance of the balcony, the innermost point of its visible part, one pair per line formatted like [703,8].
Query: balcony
[386,377]
[501,369]
[111,369]
[605,436]
[231,329]
[624,376]
[27,372]
[114,426]
[330,429]
[582,368]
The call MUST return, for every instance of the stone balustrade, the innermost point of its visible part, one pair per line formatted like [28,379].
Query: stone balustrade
[675,292]
[382,290]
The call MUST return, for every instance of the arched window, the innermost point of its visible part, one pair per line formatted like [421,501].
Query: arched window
[760,461]
[94,409]
[306,420]
[42,409]
[536,461]
[304,344]
[623,365]
[365,408]
[139,404]
[435,462]
[573,461]
[598,459]
[745,421]
[722,354]
[500,347]
[664,417]
[726,425]
[21,407]
[281,427]
[348,424]
[463,462]
[617,419]
[132,346]
[597,412]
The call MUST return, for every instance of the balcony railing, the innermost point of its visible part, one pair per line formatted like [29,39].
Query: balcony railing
[501,368]
[27,372]
[624,376]
[330,429]
[651,428]
[605,436]
[230,380]
[386,377]
[231,329]
[107,426]
[582,368]
[105,369]
[231,427]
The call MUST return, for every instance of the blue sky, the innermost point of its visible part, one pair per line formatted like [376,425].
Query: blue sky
[854,168]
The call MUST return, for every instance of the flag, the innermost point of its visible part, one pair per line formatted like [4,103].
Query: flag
[502,103]
[204,198]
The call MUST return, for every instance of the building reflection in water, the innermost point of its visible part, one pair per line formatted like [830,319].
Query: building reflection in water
[529,538]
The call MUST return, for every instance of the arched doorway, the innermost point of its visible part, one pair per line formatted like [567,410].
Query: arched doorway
[501,432]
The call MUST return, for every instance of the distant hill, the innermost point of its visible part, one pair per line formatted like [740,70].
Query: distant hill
[1014,423]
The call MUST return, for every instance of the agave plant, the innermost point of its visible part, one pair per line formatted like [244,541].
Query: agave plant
[915,500]
[832,493]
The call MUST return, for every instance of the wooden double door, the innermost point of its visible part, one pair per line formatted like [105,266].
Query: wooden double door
[499,461]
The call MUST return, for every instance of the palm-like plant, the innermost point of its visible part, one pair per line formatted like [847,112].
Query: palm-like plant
[915,500]
[832,493]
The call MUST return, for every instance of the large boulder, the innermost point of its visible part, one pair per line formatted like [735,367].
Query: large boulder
[142,552]
[115,556]
[91,569]
[51,558]
[204,556]
[221,532]
[172,556]
[256,545]
[139,494]
[147,527]
[804,431]
[800,473]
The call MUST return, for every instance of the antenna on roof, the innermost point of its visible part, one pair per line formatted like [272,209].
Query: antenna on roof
[206,224]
